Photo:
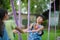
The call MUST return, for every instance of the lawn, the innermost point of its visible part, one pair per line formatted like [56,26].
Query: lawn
[44,37]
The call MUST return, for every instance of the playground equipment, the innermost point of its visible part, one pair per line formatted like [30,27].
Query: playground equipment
[28,15]
[50,19]
[54,19]
[14,13]
[18,24]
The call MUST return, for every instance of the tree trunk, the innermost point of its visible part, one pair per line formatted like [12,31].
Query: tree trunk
[59,16]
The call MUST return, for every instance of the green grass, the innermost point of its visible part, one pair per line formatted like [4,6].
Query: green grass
[52,35]
[44,37]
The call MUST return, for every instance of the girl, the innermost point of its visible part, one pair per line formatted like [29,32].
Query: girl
[36,29]
[3,17]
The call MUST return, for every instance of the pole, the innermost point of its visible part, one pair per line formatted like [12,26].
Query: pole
[19,20]
[14,13]
[54,17]
[28,15]
[49,21]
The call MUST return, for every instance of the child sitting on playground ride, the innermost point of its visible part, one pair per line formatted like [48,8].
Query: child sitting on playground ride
[36,29]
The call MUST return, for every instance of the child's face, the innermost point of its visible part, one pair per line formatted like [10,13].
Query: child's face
[6,16]
[39,19]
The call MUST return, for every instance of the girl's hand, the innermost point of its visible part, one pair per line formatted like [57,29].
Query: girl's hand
[25,30]
[34,30]
[19,29]
[15,31]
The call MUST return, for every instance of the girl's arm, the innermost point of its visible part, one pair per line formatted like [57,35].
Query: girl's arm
[19,29]
[26,30]
[30,26]
[39,29]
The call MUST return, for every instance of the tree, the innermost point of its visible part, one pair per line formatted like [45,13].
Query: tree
[37,6]
[5,4]
[59,18]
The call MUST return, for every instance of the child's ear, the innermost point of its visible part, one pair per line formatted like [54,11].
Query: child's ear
[5,15]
